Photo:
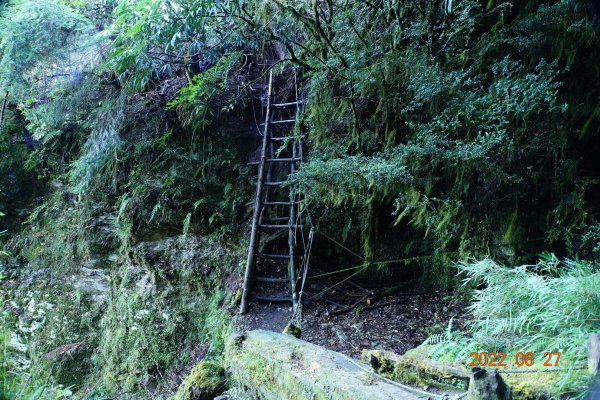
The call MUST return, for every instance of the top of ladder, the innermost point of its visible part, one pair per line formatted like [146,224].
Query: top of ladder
[293,103]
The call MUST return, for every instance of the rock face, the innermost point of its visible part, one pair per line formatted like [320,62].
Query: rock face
[277,366]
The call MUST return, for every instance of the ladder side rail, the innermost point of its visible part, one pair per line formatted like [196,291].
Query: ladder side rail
[292,221]
[292,239]
[251,260]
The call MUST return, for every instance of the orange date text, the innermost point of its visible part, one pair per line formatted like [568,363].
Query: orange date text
[522,359]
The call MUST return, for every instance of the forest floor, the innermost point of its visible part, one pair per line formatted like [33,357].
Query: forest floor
[350,318]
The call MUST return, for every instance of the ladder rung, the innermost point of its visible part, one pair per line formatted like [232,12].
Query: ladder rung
[277,183]
[294,103]
[275,256]
[284,159]
[274,219]
[256,163]
[283,138]
[272,299]
[281,121]
[269,279]
[273,226]
[279,203]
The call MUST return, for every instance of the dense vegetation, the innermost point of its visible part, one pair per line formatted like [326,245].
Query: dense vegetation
[440,132]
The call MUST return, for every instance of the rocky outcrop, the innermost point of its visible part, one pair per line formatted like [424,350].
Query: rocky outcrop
[277,366]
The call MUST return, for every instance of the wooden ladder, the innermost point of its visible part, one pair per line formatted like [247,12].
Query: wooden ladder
[274,195]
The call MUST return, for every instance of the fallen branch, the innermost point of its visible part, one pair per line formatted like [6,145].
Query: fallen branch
[350,308]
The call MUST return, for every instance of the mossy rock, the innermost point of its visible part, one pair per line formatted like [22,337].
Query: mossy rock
[383,362]
[275,366]
[533,385]
[205,381]
[415,368]
[418,369]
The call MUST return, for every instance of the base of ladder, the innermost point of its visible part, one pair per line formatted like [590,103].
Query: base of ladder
[274,299]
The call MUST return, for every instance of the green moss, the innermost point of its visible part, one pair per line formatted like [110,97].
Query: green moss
[235,302]
[141,333]
[205,381]
[275,366]
[416,368]
[59,330]
[380,361]
[256,369]
[533,385]
[293,330]
[413,369]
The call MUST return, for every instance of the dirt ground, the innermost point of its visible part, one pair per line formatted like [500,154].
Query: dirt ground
[351,318]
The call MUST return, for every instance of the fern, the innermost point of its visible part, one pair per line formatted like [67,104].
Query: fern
[550,306]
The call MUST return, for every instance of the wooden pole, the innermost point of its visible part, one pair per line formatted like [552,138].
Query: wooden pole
[292,236]
[252,247]
[292,221]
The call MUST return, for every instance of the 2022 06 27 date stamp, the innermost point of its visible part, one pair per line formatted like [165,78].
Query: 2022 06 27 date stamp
[521,359]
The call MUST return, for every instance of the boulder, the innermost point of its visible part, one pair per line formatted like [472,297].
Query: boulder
[277,366]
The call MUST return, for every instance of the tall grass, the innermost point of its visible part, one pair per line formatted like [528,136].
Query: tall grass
[552,306]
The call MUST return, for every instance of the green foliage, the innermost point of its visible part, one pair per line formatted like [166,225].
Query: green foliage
[530,301]
[33,39]
[184,182]
[550,306]
[100,149]
[154,38]
[436,133]
[472,118]
[16,183]
[193,102]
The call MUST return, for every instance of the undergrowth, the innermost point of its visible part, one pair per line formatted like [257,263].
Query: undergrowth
[551,306]
[16,380]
